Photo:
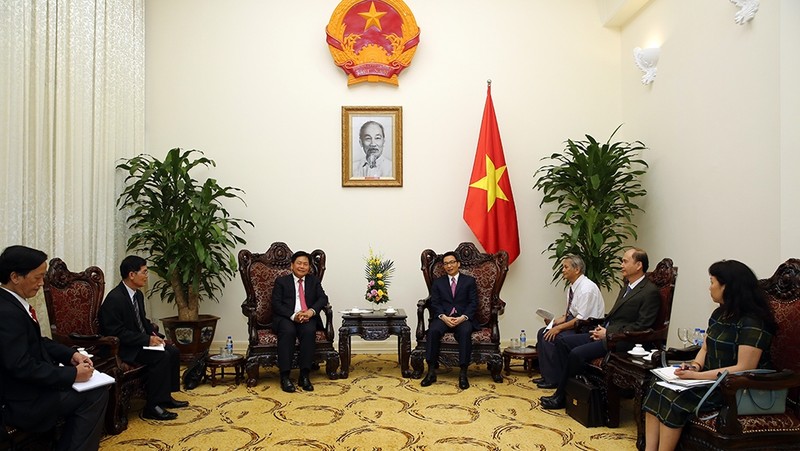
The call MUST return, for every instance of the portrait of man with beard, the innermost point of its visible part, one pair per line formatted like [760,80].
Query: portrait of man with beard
[371,162]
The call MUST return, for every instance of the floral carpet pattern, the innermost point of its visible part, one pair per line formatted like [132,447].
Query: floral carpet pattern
[374,409]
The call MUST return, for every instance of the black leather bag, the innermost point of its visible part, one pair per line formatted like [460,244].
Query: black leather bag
[195,372]
[584,402]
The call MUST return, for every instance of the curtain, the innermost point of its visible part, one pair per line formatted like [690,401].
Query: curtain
[71,105]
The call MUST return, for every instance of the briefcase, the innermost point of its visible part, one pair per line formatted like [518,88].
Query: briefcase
[584,402]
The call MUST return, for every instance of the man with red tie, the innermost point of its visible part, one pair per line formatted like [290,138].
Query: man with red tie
[34,389]
[297,299]
[454,300]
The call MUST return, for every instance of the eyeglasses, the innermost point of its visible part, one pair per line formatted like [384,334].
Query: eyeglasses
[451,262]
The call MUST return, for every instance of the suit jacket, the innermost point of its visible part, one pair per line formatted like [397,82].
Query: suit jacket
[284,294]
[118,318]
[636,311]
[465,302]
[30,378]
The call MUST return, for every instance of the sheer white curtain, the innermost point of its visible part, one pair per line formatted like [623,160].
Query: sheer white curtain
[71,105]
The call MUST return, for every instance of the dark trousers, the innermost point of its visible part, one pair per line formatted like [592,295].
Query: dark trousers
[288,333]
[84,412]
[462,334]
[551,366]
[576,350]
[163,373]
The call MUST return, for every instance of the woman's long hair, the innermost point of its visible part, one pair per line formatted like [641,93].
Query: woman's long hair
[742,296]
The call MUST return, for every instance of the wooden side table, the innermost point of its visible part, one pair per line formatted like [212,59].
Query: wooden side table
[624,371]
[373,326]
[217,361]
[528,355]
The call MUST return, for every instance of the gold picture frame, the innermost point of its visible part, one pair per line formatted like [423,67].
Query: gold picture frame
[377,159]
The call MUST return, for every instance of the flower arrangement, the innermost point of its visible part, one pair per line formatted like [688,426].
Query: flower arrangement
[378,273]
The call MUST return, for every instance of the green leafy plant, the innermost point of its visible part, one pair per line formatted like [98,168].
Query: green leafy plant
[182,225]
[592,187]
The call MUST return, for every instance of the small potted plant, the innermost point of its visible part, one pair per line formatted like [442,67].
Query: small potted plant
[183,228]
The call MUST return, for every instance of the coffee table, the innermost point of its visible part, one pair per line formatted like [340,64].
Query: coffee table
[624,371]
[528,355]
[217,361]
[373,326]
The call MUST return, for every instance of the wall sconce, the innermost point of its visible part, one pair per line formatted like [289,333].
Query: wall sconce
[646,60]
[747,10]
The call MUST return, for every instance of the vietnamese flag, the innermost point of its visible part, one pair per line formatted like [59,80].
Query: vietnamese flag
[489,210]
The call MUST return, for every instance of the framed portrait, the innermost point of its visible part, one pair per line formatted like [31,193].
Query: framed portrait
[372,146]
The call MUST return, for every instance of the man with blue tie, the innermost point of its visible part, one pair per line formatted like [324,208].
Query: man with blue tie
[454,300]
[635,309]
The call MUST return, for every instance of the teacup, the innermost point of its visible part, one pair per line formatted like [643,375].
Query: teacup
[391,310]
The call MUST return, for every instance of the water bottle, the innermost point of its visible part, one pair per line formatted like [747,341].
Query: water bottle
[522,339]
[229,347]
[696,337]
[702,336]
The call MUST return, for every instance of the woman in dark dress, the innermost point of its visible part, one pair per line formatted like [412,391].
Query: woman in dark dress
[738,338]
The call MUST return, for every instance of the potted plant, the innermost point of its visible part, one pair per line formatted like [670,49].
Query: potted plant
[593,188]
[187,234]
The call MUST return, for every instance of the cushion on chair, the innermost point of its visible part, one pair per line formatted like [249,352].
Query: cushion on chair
[483,335]
[268,338]
[787,422]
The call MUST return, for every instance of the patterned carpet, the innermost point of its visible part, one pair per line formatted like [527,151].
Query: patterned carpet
[374,409]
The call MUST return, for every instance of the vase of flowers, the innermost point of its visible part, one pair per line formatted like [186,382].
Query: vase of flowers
[378,272]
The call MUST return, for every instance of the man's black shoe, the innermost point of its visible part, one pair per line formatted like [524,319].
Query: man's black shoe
[429,379]
[287,385]
[305,383]
[552,402]
[157,413]
[463,382]
[537,380]
[175,404]
[546,385]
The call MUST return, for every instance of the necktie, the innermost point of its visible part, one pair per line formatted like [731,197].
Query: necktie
[138,314]
[569,304]
[453,286]
[302,294]
[627,292]
[33,313]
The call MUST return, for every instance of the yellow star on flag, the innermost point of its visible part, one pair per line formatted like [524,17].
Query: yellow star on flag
[373,17]
[490,183]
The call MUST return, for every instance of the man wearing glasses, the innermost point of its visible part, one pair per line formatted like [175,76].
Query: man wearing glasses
[454,300]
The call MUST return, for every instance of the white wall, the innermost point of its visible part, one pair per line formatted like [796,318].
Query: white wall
[253,84]
[713,118]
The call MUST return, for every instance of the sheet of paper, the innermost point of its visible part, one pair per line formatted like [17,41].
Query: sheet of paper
[550,324]
[154,348]
[98,379]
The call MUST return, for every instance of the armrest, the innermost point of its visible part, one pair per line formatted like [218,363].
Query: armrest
[585,325]
[422,305]
[631,336]
[727,422]
[328,321]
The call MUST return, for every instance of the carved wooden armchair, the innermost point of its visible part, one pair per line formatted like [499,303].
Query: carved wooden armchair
[728,431]
[73,303]
[489,271]
[664,276]
[259,272]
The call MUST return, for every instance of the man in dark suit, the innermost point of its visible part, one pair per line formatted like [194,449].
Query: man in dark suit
[123,316]
[35,390]
[635,309]
[297,299]
[454,300]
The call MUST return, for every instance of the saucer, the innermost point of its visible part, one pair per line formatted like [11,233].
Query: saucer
[387,313]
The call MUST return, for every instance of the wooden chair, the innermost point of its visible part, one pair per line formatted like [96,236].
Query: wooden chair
[728,431]
[489,271]
[259,272]
[73,302]
[664,276]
